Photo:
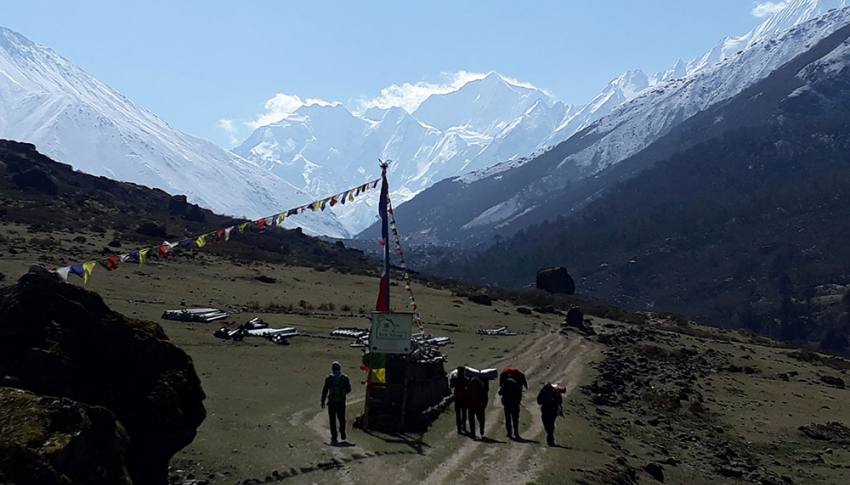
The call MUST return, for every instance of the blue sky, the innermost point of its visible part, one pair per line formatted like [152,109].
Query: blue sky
[197,62]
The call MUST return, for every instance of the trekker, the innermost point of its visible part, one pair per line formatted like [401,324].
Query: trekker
[476,403]
[551,406]
[458,383]
[336,388]
[511,391]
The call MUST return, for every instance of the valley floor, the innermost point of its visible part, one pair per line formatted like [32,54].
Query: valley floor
[699,405]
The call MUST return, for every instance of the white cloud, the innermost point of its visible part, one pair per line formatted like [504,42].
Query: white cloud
[765,9]
[230,128]
[281,105]
[409,96]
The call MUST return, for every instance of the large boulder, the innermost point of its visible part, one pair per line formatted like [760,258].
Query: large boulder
[556,280]
[57,339]
[48,440]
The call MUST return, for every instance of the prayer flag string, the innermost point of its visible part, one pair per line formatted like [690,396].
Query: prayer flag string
[141,256]
[403,265]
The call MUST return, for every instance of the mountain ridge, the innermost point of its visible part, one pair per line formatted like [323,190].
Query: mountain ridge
[497,200]
[47,100]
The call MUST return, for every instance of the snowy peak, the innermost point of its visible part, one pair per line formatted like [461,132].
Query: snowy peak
[484,105]
[794,13]
[677,71]
[630,83]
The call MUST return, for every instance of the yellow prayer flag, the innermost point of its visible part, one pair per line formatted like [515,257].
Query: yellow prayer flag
[378,376]
[316,205]
[143,255]
[201,241]
[243,226]
[281,217]
[88,267]
[351,197]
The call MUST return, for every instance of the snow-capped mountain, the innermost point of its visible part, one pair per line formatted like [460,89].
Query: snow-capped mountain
[508,195]
[72,117]
[325,148]
[794,13]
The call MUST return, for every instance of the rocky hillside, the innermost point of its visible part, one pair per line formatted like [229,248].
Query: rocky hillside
[742,230]
[474,210]
[50,196]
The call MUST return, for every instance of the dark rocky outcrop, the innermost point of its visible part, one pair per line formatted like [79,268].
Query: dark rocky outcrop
[556,280]
[833,381]
[575,321]
[60,340]
[655,470]
[36,180]
[49,440]
[832,431]
[481,299]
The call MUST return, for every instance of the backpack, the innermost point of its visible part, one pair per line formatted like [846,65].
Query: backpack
[511,391]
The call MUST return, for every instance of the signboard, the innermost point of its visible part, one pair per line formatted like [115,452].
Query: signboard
[391,333]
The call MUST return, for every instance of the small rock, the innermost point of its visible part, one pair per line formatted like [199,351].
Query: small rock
[833,381]
[655,470]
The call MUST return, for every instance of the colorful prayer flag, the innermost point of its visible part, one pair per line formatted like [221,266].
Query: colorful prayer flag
[143,255]
[110,263]
[63,272]
[88,267]
[219,234]
[77,269]
[377,364]
[261,224]
[227,232]
[243,226]
[201,241]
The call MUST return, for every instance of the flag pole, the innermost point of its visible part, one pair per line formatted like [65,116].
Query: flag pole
[383,303]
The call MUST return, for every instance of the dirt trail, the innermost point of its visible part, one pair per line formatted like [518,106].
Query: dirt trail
[319,425]
[550,358]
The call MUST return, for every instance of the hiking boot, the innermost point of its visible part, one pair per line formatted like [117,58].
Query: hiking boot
[342,435]
[334,442]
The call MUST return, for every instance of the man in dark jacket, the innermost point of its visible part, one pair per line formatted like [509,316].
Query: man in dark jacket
[336,388]
[458,384]
[551,406]
[511,392]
